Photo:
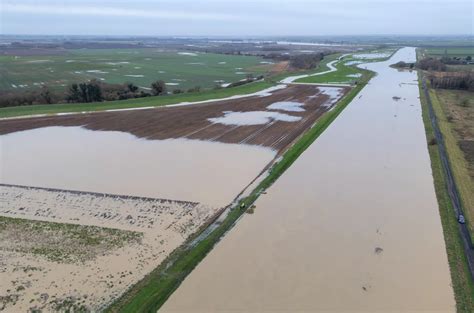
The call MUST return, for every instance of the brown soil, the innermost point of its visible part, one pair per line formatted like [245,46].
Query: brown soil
[191,121]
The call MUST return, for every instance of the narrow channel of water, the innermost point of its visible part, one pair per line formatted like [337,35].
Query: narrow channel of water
[352,226]
[75,158]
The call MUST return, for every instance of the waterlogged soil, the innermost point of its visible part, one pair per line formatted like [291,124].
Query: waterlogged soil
[351,226]
[198,121]
[51,267]
[75,158]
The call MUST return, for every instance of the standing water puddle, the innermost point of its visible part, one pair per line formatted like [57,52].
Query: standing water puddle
[252,118]
[75,158]
[289,106]
[351,226]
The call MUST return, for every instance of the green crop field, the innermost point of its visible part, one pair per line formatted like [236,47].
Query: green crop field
[450,51]
[141,66]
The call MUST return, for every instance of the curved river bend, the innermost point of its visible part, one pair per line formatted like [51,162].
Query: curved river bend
[352,226]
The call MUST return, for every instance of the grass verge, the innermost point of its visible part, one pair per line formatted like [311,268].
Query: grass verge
[457,159]
[462,285]
[150,293]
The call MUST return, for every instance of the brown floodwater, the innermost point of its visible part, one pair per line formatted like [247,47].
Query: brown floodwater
[351,226]
[74,158]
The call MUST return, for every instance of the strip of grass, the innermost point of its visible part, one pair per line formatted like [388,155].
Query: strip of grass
[134,103]
[150,293]
[462,285]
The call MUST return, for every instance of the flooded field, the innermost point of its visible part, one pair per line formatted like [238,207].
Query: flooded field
[275,128]
[352,226]
[127,187]
[75,158]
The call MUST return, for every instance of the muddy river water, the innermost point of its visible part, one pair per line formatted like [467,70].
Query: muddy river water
[352,226]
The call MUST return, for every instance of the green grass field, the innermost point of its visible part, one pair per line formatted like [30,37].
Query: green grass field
[178,69]
[451,51]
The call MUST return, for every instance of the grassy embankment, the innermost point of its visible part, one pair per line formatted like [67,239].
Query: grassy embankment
[150,293]
[462,285]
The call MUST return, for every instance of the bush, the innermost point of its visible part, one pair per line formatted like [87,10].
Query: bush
[306,61]
[158,88]
[431,64]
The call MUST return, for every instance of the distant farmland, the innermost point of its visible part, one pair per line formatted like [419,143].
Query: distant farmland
[181,70]
[451,51]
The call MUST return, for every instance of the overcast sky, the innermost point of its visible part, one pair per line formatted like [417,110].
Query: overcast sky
[236,17]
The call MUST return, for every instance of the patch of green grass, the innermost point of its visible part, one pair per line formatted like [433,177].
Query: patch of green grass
[133,103]
[338,76]
[150,293]
[463,286]
[60,242]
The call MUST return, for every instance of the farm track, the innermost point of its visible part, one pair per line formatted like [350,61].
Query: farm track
[192,122]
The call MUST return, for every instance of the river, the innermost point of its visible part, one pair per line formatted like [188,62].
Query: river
[351,226]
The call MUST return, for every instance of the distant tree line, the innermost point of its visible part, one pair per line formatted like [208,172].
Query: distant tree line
[299,61]
[306,61]
[440,77]
[453,80]
[84,92]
